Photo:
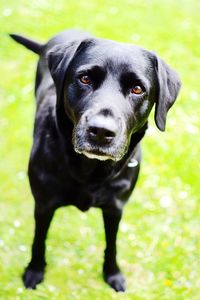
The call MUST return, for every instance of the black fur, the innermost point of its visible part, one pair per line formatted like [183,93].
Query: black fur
[88,111]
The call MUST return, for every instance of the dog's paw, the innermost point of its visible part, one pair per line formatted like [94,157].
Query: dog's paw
[32,277]
[116,281]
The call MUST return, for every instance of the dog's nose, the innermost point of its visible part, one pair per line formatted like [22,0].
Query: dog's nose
[102,130]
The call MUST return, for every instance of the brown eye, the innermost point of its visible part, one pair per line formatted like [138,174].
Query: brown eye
[85,79]
[137,90]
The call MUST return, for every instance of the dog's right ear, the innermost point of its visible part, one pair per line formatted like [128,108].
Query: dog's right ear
[59,57]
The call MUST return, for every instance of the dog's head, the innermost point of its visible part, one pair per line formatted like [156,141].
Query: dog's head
[107,90]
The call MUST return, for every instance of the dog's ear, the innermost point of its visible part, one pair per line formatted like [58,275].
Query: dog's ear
[59,58]
[168,88]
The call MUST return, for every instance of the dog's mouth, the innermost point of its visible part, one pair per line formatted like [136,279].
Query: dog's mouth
[114,153]
[97,156]
[100,156]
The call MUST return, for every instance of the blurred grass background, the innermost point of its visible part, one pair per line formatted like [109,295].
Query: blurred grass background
[159,238]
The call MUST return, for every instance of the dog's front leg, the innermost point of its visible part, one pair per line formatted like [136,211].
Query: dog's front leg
[111,271]
[34,273]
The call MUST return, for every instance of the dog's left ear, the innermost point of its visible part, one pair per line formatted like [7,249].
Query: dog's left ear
[168,88]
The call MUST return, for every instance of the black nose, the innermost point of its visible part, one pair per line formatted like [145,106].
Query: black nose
[102,130]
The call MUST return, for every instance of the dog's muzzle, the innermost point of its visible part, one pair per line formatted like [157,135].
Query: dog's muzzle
[99,137]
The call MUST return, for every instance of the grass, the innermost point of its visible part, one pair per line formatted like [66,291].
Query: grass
[159,238]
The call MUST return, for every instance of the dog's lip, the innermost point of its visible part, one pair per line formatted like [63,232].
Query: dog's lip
[96,155]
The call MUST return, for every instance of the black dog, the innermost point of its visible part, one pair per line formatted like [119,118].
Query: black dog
[93,100]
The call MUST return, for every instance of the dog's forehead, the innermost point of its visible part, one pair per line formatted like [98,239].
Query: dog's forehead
[117,55]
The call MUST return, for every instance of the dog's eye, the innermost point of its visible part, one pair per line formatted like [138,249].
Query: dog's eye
[137,90]
[85,79]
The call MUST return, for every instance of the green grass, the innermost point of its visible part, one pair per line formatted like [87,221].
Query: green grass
[159,238]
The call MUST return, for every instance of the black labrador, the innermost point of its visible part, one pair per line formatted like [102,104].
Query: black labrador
[94,97]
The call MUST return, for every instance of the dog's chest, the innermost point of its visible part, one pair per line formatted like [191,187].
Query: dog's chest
[87,195]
